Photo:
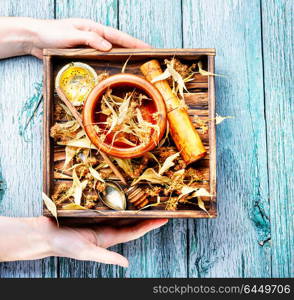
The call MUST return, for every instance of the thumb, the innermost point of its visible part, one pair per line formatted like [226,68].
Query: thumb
[98,254]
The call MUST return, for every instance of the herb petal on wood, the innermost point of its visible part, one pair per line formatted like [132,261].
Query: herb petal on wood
[50,206]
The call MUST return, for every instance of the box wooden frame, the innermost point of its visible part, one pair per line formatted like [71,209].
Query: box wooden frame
[122,54]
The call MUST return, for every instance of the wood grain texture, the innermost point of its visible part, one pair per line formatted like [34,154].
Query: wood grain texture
[162,253]
[106,13]
[278,50]
[20,157]
[231,244]
[237,243]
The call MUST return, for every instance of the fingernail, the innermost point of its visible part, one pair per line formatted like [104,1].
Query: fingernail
[125,265]
[106,45]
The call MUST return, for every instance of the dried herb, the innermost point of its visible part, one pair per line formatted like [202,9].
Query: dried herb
[124,119]
[50,206]
[95,174]
[169,162]
[73,206]
[77,188]
[219,119]
[152,176]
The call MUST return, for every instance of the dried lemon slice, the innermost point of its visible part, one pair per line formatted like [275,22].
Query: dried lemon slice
[76,80]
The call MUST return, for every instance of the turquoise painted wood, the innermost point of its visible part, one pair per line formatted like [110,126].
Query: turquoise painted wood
[235,244]
[20,150]
[253,235]
[278,49]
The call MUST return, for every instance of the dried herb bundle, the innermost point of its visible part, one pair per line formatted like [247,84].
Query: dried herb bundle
[121,119]
[161,173]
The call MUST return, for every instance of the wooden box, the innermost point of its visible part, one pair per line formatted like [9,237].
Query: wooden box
[201,102]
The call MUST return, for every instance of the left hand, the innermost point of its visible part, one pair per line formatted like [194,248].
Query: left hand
[20,36]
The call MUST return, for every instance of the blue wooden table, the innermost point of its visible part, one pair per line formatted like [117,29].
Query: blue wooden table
[253,235]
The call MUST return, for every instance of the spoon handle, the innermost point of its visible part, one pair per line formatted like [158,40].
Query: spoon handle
[77,116]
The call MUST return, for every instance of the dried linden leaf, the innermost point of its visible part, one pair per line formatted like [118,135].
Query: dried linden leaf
[177,78]
[80,143]
[152,156]
[124,140]
[126,165]
[197,192]
[73,206]
[202,192]
[205,73]
[201,204]
[161,143]
[166,74]
[95,174]
[168,163]
[123,110]
[70,153]
[152,176]
[77,187]
[219,119]
[125,64]
[50,206]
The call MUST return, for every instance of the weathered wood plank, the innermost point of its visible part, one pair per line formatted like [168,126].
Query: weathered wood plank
[231,245]
[278,50]
[20,156]
[106,13]
[161,253]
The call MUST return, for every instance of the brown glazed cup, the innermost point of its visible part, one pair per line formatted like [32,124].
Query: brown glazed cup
[120,81]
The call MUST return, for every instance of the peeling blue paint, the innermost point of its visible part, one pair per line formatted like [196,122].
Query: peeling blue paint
[29,111]
[2,185]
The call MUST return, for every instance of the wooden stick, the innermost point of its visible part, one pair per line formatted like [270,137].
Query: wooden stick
[182,130]
[77,116]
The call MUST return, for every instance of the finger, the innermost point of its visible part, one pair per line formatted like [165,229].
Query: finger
[111,34]
[98,254]
[93,40]
[109,236]
[121,38]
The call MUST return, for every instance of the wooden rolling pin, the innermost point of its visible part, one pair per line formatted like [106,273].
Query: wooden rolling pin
[182,130]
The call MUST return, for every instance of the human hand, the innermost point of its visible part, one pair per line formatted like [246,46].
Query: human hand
[34,238]
[31,36]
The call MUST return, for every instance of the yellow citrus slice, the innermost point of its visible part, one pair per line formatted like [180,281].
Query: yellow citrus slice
[76,80]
